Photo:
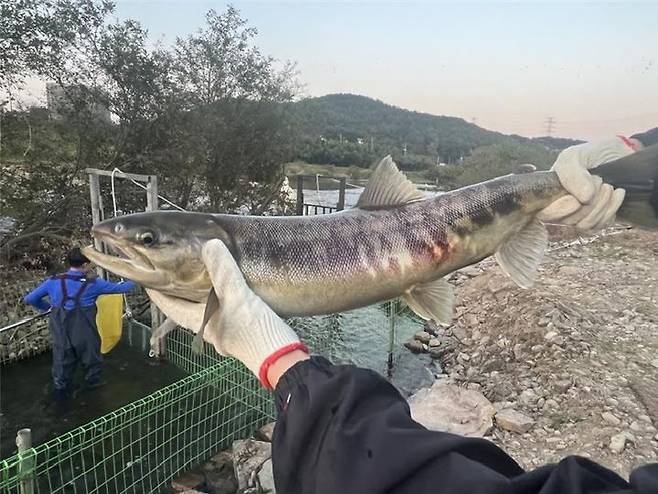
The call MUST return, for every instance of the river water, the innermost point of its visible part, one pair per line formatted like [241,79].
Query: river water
[25,393]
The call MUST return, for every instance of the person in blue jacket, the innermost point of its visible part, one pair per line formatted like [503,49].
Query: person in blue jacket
[71,298]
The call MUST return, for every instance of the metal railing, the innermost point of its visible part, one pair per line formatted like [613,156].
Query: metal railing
[318,209]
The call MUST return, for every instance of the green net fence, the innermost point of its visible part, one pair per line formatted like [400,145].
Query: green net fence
[141,447]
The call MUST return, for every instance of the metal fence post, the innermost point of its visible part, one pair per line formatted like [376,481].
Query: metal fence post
[152,205]
[26,465]
[300,195]
[96,213]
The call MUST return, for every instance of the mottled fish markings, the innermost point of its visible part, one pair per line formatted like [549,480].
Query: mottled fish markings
[395,243]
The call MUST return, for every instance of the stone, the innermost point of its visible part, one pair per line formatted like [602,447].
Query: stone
[610,418]
[414,345]
[562,385]
[189,481]
[434,342]
[635,426]
[219,484]
[618,442]
[423,337]
[654,363]
[528,397]
[449,408]
[266,432]
[551,404]
[551,335]
[517,350]
[248,457]
[513,421]
[471,271]
[266,478]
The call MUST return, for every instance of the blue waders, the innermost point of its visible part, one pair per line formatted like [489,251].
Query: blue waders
[75,338]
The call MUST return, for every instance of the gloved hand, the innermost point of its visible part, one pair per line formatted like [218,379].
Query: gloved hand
[244,327]
[591,204]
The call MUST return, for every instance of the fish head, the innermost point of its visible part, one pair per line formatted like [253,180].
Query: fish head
[159,250]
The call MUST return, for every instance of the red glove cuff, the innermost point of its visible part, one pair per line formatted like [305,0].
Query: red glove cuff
[265,366]
[628,142]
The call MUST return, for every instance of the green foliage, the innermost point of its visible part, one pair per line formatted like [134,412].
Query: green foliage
[500,159]
[331,127]
[209,115]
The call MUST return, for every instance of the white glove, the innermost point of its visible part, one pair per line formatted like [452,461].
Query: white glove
[591,203]
[244,327]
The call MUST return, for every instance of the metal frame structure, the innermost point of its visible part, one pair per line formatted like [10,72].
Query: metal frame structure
[304,209]
[97,213]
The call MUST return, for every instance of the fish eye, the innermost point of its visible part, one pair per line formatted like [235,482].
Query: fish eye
[147,238]
[118,228]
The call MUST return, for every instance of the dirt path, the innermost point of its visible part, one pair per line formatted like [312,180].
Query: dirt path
[578,353]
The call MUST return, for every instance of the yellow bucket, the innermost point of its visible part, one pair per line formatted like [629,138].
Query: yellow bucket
[109,320]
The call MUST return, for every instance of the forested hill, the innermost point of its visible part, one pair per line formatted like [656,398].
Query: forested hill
[371,123]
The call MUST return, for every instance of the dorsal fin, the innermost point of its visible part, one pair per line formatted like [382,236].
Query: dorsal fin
[388,187]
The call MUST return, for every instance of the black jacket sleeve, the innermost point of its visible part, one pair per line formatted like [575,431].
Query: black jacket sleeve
[344,430]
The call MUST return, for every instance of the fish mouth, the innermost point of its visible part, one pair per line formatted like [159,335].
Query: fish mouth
[128,263]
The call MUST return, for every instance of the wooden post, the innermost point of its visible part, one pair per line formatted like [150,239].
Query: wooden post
[152,193]
[300,195]
[152,205]
[26,465]
[341,194]
[96,213]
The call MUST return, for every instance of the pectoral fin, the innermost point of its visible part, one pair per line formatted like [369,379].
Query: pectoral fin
[522,254]
[433,300]
[212,306]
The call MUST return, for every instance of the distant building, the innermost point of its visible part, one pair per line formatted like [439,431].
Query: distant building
[59,103]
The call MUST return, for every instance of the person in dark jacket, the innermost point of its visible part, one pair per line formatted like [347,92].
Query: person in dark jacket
[71,299]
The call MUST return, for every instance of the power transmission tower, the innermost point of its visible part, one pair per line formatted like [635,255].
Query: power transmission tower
[550,124]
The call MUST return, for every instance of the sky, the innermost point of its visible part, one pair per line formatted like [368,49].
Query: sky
[591,68]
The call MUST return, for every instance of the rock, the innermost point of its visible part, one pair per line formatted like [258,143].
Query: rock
[219,484]
[266,478]
[655,438]
[551,335]
[434,342]
[445,407]
[471,271]
[189,481]
[528,397]
[562,385]
[654,363]
[635,426]
[551,404]
[266,432]
[513,421]
[610,418]
[518,351]
[423,337]
[248,457]
[644,418]
[414,345]
[618,442]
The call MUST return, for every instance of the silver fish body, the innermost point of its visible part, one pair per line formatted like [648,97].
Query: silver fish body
[330,263]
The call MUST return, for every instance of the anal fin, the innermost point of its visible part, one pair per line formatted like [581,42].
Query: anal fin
[212,306]
[522,254]
[432,300]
